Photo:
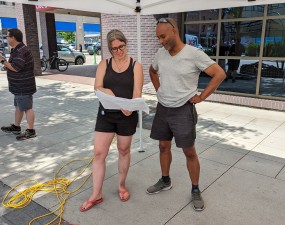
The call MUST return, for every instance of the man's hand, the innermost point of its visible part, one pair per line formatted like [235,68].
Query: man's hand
[1,58]
[126,112]
[196,99]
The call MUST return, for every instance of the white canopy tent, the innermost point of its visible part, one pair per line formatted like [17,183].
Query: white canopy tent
[148,7]
[144,7]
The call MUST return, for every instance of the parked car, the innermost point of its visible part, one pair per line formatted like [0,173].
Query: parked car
[94,48]
[72,46]
[71,56]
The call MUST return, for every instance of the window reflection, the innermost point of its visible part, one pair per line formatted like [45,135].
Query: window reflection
[239,39]
[202,15]
[245,80]
[203,36]
[249,33]
[274,44]
[276,9]
[272,79]
[243,12]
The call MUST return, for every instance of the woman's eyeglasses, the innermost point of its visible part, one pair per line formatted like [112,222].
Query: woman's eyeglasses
[115,49]
[164,20]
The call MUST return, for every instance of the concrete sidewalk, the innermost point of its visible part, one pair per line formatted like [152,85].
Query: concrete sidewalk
[241,152]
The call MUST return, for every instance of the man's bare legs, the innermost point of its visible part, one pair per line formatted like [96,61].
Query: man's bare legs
[30,116]
[18,116]
[165,157]
[192,161]
[193,167]
[102,142]
[193,164]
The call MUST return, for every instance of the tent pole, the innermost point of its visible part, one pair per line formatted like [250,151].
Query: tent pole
[137,10]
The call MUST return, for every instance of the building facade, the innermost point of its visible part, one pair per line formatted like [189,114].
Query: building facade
[257,79]
[82,26]
[259,31]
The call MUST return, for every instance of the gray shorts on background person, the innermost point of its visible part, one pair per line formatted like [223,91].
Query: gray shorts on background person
[179,123]
[24,102]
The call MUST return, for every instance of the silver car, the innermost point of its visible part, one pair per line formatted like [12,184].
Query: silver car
[71,56]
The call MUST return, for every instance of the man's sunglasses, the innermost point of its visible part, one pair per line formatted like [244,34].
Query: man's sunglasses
[164,20]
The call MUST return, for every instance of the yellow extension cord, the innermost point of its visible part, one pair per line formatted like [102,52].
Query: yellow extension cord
[57,186]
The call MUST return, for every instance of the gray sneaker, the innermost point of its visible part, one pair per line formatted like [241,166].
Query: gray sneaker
[158,187]
[197,200]
[26,135]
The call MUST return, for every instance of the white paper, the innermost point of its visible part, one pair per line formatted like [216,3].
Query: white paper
[112,102]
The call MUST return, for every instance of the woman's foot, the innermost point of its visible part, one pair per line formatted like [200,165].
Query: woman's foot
[124,194]
[90,203]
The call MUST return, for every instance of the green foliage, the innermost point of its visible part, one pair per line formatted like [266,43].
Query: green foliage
[274,49]
[252,49]
[67,36]
[209,52]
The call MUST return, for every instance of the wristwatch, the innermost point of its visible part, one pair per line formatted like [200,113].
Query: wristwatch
[3,60]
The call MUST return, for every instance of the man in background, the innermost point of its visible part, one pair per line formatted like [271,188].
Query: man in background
[22,84]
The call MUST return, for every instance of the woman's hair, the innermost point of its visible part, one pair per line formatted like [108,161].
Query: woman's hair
[115,35]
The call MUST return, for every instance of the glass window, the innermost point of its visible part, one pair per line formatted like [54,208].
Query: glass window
[248,33]
[274,43]
[202,15]
[242,80]
[202,36]
[272,79]
[63,48]
[241,76]
[243,12]
[276,9]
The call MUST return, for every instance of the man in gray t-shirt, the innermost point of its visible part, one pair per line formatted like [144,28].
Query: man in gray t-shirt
[174,73]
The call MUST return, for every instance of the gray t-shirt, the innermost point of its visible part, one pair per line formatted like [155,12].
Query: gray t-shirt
[179,74]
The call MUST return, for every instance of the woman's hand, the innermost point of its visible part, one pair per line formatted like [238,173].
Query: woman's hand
[126,112]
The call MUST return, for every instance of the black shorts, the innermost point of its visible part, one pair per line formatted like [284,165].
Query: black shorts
[116,122]
[179,123]
[233,64]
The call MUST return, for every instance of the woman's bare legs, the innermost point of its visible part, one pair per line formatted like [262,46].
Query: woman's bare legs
[102,142]
[124,146]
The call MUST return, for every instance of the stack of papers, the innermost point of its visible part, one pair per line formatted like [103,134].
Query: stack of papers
[112,102]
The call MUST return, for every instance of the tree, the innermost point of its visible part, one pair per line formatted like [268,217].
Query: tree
[67,36]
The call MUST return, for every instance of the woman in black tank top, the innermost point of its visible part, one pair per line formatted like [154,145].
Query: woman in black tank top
[118,76]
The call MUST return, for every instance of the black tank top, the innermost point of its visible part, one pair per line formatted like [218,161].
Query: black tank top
[122,84]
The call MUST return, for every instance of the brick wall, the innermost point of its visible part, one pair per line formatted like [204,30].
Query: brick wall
[248,101]
[128,25]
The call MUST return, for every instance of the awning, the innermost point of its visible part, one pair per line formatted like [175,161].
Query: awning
[8,22]
[65,26]
[89,27]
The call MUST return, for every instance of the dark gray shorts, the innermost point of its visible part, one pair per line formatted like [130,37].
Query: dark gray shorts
[24,102]
[179,123]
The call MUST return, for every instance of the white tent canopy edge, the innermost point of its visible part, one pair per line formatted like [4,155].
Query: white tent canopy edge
[148,7]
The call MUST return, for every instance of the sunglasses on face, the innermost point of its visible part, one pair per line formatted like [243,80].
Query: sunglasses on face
[115,49]
[164,20]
